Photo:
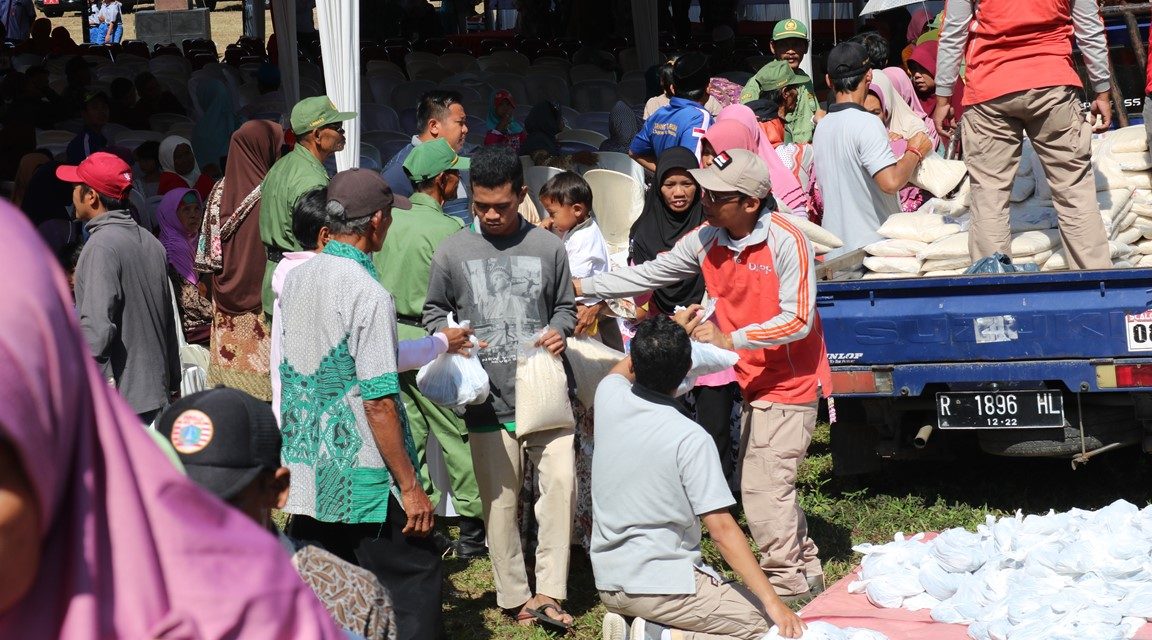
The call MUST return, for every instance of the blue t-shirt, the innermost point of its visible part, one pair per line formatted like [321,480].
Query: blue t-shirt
[681,123]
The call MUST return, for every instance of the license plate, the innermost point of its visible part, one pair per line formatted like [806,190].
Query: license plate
[1000,410]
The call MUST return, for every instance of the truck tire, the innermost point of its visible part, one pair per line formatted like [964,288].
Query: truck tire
[1103,425]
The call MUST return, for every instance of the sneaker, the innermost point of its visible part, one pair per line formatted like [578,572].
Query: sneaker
[816,584]
[614,627]
[645,630]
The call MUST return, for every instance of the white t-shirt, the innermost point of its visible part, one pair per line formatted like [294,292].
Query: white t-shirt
[654,472]
[851,146]
[111,13]
[587,252]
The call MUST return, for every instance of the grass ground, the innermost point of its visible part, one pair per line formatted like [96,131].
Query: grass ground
[842,512]
[226,20]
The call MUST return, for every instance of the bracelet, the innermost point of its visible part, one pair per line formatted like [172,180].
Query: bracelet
[916,153]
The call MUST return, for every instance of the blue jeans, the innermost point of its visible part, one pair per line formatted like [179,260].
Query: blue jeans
[101,33]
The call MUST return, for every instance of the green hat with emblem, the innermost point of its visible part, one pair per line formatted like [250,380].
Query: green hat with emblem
[312,113]
[432,158]
[789,28]
[777,75]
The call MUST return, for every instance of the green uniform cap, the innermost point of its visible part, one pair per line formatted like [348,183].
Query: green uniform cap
[789,29]
[777,75]
[312,113]
[432,158]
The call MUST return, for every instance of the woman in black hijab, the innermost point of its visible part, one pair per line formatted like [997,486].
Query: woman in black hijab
[671,210]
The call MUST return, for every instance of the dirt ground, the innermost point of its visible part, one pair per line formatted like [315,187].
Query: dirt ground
[226,20]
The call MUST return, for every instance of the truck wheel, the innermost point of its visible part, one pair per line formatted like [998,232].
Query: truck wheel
[1103,425]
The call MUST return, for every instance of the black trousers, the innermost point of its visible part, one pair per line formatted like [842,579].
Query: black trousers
[410,568]
[713,406]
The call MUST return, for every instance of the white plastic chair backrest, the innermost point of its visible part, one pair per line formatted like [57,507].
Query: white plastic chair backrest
[513,59]
[594,95]
[379,117]
[381,85]
[112,130]
[535,177]
[133,138]
[407,94]
[543,87]
[384,67]
[585,136]
[621,163]
[48,136]
[370,150]
[457,62]
[617,200]
[581,72]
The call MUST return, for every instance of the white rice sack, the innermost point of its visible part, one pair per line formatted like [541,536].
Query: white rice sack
[1129,236]
[945,272]
[878,264]
[1128,139]
[1109,174]
[1113,202]
[1123,220]
[896,248]
[1143,247]
[1029,216]
[1033,242]
[590,360]
[816,233]
[1134,161]
[1119,250]
[820,249]
[938,176]
[706,359]
[1145,228]
[820,630]
[953,246]
[1122,264]
[1144,261]
[542,402]
[1026,153]
[888,276]
[1058,262]
[1039,259]
[947,264]
[917,226]
[1022,188]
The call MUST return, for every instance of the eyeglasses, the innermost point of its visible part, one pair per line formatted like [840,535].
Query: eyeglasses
[721,197]
[335,126]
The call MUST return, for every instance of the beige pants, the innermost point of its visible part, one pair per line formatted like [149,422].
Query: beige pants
[993,134]
[717,611]
[498,460]
[774,441]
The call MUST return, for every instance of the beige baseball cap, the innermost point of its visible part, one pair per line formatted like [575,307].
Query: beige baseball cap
[735,170]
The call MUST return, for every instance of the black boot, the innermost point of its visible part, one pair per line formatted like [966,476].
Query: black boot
[471,542]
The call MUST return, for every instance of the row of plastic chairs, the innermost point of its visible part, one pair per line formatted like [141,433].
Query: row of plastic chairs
[617,197]
[477,91]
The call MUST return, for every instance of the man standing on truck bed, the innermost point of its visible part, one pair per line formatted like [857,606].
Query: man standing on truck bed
[760,271]
[1021,80]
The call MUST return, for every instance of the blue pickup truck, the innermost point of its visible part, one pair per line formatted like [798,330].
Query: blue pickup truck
[1020,364]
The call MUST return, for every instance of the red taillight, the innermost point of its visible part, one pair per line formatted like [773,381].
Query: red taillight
[1134,375]
[853,382]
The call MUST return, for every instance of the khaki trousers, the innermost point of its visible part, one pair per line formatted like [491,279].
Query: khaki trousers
[993,134]
[498,460]
[774,441]
[717,611]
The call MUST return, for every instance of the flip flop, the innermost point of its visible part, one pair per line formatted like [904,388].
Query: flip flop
[523,616]
[541,616]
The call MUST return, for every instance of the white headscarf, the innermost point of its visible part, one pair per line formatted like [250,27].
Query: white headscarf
[167,162]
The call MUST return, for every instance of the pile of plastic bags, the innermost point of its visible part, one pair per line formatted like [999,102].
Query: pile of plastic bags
[819,630]
[1078,574]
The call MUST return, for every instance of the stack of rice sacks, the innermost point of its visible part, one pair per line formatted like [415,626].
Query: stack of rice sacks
[934,240]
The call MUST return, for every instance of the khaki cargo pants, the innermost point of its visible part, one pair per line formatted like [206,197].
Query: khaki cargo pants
[993,134]
[774,441]
[717,611]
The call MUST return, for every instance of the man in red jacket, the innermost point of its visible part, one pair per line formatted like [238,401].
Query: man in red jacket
[1020,79]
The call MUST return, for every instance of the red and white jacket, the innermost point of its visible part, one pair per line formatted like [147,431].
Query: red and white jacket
[764,287]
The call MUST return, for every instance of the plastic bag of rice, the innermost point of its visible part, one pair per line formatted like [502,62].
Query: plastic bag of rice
[590,360]
[938,176]
[878,264]
[1033,242]
[947,264]
[896,248]
[952,246]
[816,233]
[542,402]
[925,227]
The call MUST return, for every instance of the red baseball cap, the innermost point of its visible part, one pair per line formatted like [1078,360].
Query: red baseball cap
[106,173]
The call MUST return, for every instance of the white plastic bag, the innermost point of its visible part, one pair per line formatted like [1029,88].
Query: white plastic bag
[453,380]
[542,402]
[706,359]
[591,361]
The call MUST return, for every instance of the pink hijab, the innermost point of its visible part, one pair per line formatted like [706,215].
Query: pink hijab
[785,187]
[920,19]
[179,243]
[903,86]
[130,547]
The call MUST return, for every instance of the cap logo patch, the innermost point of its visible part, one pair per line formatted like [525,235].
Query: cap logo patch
[191,432]
[723,160]
[790,25]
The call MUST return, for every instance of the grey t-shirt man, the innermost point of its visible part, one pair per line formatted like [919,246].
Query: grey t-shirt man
[851,146]
[646,508]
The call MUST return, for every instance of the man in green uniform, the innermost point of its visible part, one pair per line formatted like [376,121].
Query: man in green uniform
[319,134]
[790,44]
[403,265]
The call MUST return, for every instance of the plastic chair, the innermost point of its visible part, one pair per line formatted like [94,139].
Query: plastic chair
[535,177]
[163,122]
[512,83]
[593,121]
[170,64]
[618,201]
[384,67]
[509,58]
[474,102]
[182,129]
[583,72]
[378,117]
[550,87]
[112,131]
[389,149]
[583,136]
[408,123]
[381,85]
[49,136]
[381,139]
[621,163]
[634,91]
[594,95]
[407,94]
[458,62]
[370,163]
[370,150]
[134,138]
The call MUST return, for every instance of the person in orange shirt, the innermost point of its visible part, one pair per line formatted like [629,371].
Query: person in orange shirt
[1020,80]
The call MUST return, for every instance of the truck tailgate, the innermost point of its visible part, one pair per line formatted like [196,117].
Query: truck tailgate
[988,317]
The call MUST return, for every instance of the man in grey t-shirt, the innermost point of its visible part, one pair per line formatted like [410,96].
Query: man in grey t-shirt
[856,171]
[647,509]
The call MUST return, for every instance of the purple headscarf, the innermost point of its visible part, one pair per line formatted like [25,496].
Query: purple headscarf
[179,243]
[129,547]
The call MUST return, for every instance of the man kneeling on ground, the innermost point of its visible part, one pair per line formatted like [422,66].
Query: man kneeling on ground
[646,510]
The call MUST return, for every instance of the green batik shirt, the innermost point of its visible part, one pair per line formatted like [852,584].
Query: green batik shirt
[339,349]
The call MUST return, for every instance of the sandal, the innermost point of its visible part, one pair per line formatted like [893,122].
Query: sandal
[542,616]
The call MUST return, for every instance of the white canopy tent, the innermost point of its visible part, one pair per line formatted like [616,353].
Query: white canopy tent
[339,24]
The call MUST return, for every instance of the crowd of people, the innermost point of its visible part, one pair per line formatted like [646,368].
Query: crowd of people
[319,295]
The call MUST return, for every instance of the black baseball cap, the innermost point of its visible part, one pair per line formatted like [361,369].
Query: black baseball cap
[846,60]
[691,72]
[225,438]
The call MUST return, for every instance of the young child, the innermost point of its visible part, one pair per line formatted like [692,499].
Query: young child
[568,200]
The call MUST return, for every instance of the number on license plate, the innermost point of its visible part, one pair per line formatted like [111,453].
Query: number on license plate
[991,410]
